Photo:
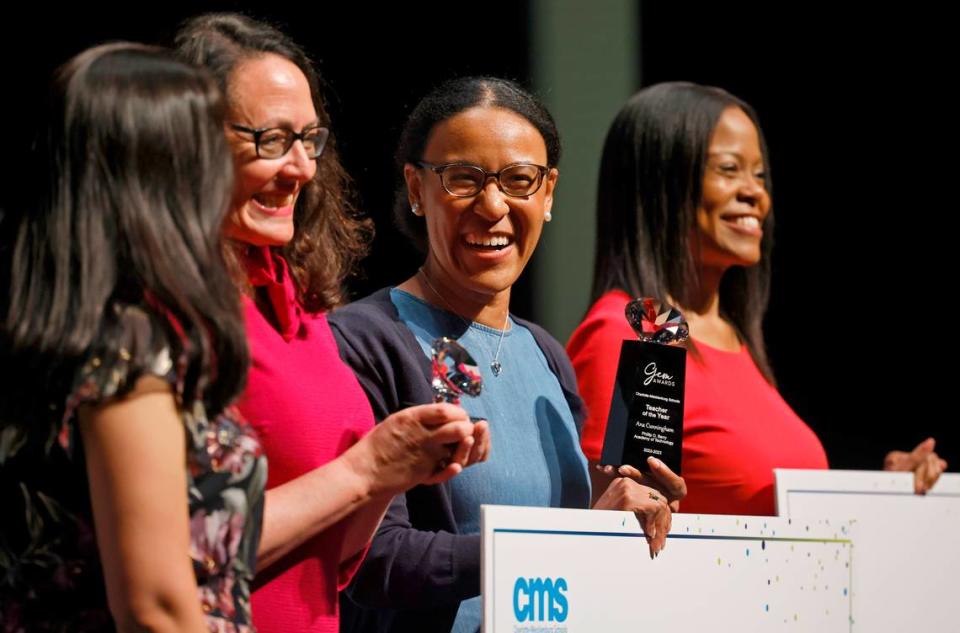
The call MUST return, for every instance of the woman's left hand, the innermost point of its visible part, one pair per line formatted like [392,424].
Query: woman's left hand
[925,464]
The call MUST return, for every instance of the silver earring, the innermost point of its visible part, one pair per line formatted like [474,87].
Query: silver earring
[415,208]
[547,216]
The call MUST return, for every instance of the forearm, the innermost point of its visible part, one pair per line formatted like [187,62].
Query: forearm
[398,453]
[160,614]
[599,481]
[306,506]
[361,526]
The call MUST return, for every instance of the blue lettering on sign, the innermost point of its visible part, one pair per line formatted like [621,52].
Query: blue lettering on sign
[539,599]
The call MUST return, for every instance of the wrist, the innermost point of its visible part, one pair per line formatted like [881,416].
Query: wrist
[359,466]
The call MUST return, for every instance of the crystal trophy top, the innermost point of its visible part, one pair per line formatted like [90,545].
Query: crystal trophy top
[455,373]
[656,322]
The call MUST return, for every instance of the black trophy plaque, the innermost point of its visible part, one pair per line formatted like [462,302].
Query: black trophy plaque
[646,412]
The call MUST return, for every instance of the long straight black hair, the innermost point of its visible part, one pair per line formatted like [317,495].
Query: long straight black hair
[649,190]
[135,179]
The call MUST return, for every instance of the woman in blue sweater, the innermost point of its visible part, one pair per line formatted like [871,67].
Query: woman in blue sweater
[479,163]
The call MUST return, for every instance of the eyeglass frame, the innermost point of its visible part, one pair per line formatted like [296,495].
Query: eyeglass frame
[439,169]
[294,137]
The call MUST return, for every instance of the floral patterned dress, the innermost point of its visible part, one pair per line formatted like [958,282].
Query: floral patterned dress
[50,573]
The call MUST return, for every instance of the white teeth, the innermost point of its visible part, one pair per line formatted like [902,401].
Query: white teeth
[274,201]
[474,239]
[748,221]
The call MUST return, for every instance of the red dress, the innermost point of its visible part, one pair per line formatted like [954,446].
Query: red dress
[736,428]
[308,408]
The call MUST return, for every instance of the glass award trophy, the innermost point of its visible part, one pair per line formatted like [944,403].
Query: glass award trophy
[455,373]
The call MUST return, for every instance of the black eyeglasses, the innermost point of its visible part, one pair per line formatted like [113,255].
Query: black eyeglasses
[464,180]
[274,142]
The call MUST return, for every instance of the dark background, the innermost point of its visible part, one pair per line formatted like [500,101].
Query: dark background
[857,112]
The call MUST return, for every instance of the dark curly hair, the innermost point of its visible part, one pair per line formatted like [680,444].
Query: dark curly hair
[330,238]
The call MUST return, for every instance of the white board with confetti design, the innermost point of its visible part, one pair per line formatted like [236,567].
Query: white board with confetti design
[907,553]
[572,571]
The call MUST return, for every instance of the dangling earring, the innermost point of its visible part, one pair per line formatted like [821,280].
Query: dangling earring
[547,216]
[415,208]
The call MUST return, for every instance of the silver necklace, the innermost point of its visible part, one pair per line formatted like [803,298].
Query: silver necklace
[495,366]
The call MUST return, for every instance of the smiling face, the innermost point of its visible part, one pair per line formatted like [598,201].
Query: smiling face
[479,245]
[734,202]
[264,92]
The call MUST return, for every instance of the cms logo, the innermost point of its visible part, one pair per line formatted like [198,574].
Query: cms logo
[539,599]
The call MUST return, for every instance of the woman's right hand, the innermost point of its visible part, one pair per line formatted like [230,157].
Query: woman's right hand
[426,444]
[660,477]
[649,506]
[421,445]
[653,497]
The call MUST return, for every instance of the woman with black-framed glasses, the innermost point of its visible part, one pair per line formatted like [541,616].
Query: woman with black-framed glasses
[478,157]
[274,142]
[294,238]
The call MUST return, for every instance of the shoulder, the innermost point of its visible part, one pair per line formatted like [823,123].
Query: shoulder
[370,332]
[599,336]
[376,310]
[604,319]
[134,343]
[371,321]
[383,353]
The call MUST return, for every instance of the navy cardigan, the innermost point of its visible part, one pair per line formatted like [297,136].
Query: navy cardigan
[419,568]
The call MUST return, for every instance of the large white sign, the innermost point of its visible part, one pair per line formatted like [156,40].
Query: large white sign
[585,571]
[907,551]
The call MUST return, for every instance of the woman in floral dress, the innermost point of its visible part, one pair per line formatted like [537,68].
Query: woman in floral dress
[130,493]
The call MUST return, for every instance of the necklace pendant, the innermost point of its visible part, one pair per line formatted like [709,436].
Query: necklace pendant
[495,367]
